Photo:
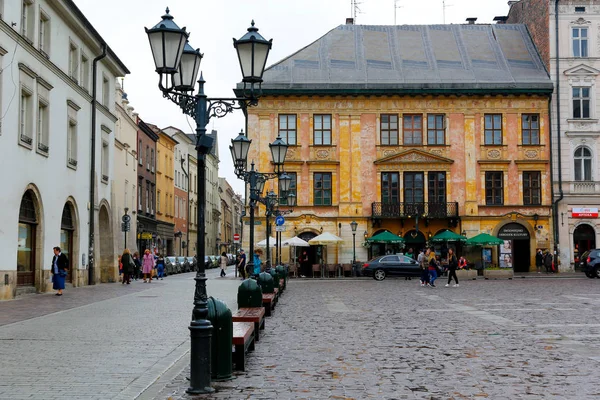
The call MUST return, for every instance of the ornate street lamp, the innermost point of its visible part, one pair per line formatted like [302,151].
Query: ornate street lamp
[178,64]
[353,225]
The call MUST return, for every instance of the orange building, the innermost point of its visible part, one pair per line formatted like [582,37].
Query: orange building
[414,130]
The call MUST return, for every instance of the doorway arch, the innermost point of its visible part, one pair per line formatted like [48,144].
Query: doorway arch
[516,251]
[30,241]
[69,239]
[107,261]
[584,239]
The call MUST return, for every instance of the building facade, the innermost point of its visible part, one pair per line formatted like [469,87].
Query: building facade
[46,53]
[165,193]
[212,215]
[193,215]
[147,183]
[228,224]
[413,130]
[124,191]
[567,33]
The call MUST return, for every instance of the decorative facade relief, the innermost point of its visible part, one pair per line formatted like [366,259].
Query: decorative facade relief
[531,154]
[494,154]
[322,154]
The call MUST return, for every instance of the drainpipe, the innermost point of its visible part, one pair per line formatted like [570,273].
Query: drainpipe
[187,248]
[558,144]
[91,262]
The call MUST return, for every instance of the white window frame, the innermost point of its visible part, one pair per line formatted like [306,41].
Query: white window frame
[26,117]
[44,34]
[28,20]
[73,61]
[43,126]
[580,41]
[582,166]
[84,71]
[104,161]
[105,91]
[158,201]
[590,98]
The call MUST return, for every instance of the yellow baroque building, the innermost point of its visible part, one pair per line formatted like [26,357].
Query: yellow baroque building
[413,130]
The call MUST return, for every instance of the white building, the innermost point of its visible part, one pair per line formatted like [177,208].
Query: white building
[213,200]
[47,52]
[124,183]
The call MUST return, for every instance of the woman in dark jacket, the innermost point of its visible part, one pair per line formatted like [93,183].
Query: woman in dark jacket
[452,265]
[137,265]
[128,264]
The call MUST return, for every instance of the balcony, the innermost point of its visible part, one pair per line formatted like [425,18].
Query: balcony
[405,210]
[582,187]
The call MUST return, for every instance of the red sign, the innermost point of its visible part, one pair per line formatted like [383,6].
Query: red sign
[584,213]
[236,237]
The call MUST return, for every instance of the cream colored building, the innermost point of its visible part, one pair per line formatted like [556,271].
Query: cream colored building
[213,200]
[124,184]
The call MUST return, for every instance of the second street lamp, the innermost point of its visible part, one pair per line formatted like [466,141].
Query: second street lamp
[178,64]
[353,226]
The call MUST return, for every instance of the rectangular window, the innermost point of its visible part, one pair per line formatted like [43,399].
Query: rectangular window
[140,196]
[104,161]
[28,20]
[71,136]
[494,188]
[105,91]
[532,190]
[493,129]
[84,72]
[322,130]
[580,42]
[73,61]
[581,102]
[26,117]
[413,130]
[158,201]
[147,158]
[287,128]
[147,197]
[414,191]
[152,199]
[436,130]
[436,187]
[292,190]
[530,128]
[390,187]
[176,207]
[43,126]
[388,127]
[44,34]
[152,160]
[579,9]
[322,188]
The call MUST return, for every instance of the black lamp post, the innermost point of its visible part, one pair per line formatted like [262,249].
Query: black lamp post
[353,225]
[177,64]
[256,180]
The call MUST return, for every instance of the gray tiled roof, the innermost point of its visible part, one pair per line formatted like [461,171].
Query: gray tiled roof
[413,58]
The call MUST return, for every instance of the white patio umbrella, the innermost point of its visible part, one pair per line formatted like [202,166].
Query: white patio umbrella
[325,239]
[295,242]
[263,243]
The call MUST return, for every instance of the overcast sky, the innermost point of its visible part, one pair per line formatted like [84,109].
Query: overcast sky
[213,23]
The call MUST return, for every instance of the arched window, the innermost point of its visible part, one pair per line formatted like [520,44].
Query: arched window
[583,164]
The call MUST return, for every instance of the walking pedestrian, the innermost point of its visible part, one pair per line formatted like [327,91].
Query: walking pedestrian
[138,265]
[423,263]
[257,262]
[242,264]
[128,264]
[548,262]
[120,268]
[160,267]
[539,260]
[432,268]
[147,266]
[452,265]
[304,265]
[223,263]
[60,268]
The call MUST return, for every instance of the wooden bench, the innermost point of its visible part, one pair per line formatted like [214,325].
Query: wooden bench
[256,315]
[268,301]
[243,341]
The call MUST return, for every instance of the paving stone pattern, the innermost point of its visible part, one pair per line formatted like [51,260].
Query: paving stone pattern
[361,339]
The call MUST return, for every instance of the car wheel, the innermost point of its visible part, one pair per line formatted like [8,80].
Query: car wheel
[379,275]
[596,273]
[589,275]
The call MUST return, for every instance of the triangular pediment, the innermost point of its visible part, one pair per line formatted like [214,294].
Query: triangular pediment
[582,70]
[414,156]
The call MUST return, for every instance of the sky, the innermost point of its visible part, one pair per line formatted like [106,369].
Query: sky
[214,23]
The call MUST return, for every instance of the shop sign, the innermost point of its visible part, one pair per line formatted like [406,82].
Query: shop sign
[513,231]
[584,213]
[145,235]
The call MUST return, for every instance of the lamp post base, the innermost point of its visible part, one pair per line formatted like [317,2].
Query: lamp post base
[200,335]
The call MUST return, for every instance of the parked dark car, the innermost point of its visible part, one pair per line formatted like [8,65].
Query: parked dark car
[391,265]
[184,265]
[170,265]
[192,263]
[590,263]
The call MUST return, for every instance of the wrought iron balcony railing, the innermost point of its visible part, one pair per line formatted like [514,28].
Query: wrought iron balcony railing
[405,210]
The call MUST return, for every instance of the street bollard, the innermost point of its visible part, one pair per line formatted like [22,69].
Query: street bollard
[265,281]
[282,271]
[249,294]
[221,359]
[276,277]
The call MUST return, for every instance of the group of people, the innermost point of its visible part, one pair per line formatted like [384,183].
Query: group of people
[243,266]
[146,267]
[544,260]
[431,267]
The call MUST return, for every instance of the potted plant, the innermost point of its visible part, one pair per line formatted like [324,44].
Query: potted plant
[495,272]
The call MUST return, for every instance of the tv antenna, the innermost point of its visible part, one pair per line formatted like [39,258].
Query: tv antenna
[355,9]
[396,6]
[444,6]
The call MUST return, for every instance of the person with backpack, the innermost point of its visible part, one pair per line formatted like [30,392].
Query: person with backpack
[452,265]
[160,267]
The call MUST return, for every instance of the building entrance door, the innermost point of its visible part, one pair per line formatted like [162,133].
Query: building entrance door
[26,241]
[584,238]
[517,249]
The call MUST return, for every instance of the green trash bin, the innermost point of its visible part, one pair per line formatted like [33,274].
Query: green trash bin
[282,274]
[265,281]
[249,294]
[276,277]
[221,341]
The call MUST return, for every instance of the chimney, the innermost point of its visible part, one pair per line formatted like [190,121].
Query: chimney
[471,21]
[500,19]
[512,2]
[349,21]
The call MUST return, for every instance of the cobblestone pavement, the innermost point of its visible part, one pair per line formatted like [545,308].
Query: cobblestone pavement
[109,341]
[361,339]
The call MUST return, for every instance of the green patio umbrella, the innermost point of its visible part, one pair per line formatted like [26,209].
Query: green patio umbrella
[385,237]
[484,239]
[448,236]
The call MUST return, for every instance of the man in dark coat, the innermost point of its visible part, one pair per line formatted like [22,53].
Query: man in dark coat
[60,268]
[539,260]
[548,262]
